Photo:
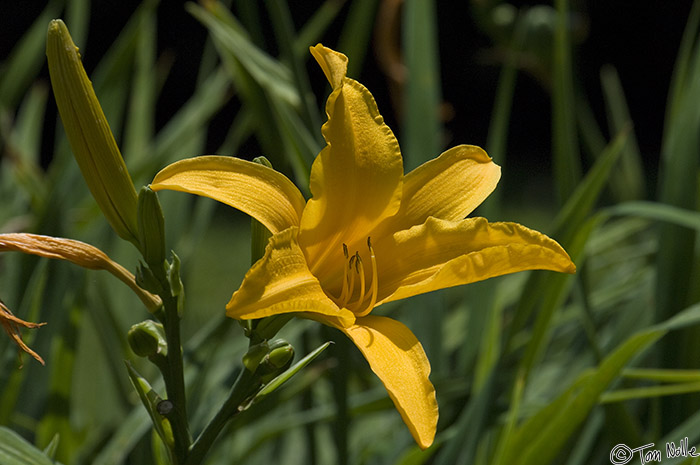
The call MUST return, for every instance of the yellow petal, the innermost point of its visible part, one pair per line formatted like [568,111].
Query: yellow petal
[261,192]
[440,254]
[356,179]
[79,253]
[398,359]
[333,64]
[89,135]
[280,282]
[449,187]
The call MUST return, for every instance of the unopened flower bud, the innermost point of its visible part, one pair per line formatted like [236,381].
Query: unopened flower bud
[147,280]
[277,360]
[147,339]
[176,287]
[255,354]
[281,353]
[151,228]
[88,132]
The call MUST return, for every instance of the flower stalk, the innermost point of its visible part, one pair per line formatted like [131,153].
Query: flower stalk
[166,339]
[245,386]
[175,379]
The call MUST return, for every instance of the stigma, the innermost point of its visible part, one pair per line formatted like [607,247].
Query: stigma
[356,295]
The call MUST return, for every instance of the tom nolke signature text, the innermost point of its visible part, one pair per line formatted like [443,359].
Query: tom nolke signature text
[622,454]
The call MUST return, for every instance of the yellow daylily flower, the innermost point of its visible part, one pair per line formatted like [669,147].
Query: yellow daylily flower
[369,235]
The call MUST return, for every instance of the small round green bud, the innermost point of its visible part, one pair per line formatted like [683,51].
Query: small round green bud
[147,339]
[255,354]
[276,361]
[281,353]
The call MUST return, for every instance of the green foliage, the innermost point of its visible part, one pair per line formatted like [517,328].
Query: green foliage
[534,368]
[15,450]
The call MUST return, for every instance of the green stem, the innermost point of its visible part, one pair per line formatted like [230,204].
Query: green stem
[174,378]
[245,386]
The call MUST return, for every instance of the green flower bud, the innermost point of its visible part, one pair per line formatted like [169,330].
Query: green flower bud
[276,361]
[151,228]
[89,135]
[255,354]
[147,339]
[280,355]
[147,280]
[176,287]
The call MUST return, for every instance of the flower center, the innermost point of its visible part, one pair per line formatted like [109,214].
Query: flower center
[354,271]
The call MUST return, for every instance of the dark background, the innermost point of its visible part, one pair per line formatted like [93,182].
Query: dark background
[640,39]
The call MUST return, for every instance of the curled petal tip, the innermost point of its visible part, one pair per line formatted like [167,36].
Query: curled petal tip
[334,64]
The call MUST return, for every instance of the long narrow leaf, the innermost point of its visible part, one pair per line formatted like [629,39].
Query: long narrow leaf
[567,224]
[628,181]
[658,212]
[567,163]
[678,186]
[540,438]
[15,450]
[151,401]
[26,58]
[622,395]
[288,374]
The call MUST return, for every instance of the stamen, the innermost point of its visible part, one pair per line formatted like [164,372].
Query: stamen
[351,286]
[375,281]
[343,294]
[348,289]
[360,269]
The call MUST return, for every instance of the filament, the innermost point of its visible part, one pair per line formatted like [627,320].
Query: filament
[343,294]
[351,285]
[374,284]
[360,269]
